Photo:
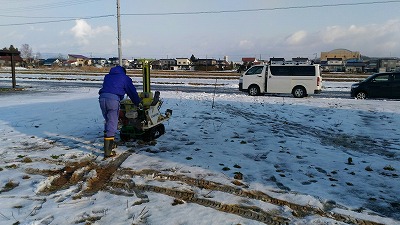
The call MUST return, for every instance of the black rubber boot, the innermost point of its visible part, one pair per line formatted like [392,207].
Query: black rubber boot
[113,144]
[108,146]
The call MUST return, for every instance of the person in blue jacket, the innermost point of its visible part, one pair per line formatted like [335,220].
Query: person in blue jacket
[115,85]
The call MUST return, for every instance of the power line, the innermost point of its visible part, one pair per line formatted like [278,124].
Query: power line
[38,17]
[261,9]
[57,4]
[57,21]
[64,19]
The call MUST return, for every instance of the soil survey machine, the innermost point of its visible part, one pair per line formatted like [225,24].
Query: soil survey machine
[144,122]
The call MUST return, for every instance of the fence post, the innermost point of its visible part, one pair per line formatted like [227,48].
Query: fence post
[14,82]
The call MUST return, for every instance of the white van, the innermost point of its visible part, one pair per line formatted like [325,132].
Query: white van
[298,80]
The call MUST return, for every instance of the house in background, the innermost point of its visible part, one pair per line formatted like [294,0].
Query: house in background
[138,63]
[300,61]
[168,64]
[248,61]
[52,62]
[390,64]
[78,60]
[355,66]
[333,65]
[113,61]
[279,61]
[99,62]
[223,64]
[125,63]
[205,64]
[183,63]
[156,64]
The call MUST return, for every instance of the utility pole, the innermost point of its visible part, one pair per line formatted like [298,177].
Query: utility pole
[206,62]
[119,33]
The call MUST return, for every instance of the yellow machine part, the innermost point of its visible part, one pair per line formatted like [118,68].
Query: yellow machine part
[147,98]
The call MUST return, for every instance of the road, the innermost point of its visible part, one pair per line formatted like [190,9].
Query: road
[57,84]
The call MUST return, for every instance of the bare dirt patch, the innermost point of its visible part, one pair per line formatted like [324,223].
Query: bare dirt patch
[95,176]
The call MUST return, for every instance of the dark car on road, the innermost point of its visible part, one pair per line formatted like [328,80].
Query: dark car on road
[378,85]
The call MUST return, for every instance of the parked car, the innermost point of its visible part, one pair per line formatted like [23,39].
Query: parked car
[378,85]
[298,80]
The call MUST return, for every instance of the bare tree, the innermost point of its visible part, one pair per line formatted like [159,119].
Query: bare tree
[38,55]
[36,59]
[26,53]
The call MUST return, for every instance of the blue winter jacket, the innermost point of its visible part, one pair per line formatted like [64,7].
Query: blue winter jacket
[116,84]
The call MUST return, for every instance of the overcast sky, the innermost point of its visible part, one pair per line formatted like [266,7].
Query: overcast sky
[206,28]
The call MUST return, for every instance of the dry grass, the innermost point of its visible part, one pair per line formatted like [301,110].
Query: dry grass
[9,186]
[389,168]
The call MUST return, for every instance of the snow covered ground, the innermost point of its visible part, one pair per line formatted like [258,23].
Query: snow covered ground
[225,159]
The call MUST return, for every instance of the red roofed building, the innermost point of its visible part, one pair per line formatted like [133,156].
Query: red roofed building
[249,60]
